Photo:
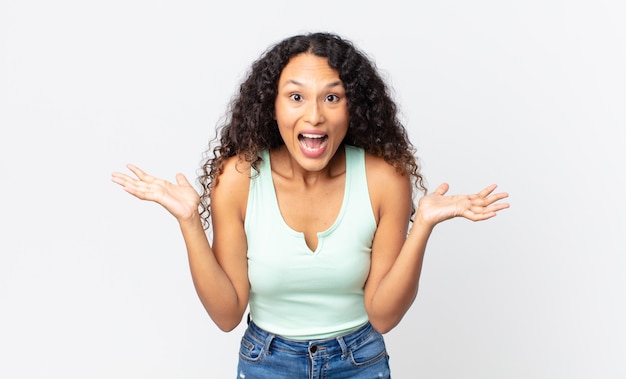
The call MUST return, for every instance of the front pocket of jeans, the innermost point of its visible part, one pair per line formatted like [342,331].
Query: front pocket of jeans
[250,350]
[370,351]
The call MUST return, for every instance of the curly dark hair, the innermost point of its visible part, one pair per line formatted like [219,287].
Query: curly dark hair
[249,126]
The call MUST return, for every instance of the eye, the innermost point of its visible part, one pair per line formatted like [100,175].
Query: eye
[296,97]
[332,98]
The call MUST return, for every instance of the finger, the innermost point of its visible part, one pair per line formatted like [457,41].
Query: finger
[487,190]
[479,215]
[182,180]
[121,178]
[139,172]
[498,207]
[496,197]
[442,189]
[117,175]
[478,212]
[129,185]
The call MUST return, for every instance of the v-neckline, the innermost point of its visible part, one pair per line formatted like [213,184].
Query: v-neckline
[320,234]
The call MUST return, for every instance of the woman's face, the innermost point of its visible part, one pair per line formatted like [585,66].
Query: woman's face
[311,111]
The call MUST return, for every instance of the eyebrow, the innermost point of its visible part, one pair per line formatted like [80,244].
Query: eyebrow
[329,85]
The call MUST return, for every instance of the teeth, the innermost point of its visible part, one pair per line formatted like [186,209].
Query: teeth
[306,135]
[311,141]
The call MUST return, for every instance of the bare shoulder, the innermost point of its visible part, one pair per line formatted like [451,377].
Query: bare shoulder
[231,190]
[381,174]
[387,187]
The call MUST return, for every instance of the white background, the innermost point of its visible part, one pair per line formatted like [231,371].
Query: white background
[530,95]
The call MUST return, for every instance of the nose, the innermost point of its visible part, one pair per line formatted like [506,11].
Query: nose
[314,113]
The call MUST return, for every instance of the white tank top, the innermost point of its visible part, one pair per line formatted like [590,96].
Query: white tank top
[297,293]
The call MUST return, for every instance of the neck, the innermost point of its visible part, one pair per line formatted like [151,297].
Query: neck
[284,165]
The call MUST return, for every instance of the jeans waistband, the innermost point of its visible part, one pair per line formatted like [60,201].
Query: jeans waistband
[328,346]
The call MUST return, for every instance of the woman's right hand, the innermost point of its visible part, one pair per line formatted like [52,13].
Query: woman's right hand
[180,199]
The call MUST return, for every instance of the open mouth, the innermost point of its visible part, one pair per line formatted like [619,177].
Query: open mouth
[312,142]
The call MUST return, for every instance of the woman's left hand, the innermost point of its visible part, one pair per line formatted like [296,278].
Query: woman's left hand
[436,207]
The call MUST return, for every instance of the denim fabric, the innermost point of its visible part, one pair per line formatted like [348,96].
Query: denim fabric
[358,355]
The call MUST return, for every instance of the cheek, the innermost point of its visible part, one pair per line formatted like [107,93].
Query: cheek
[342,122]
[283,115]
[282,104]
[285,129]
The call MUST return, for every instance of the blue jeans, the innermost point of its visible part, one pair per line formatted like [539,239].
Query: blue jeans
[358,355]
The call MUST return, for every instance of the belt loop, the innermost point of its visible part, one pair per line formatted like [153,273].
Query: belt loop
[344,348]
[268,342]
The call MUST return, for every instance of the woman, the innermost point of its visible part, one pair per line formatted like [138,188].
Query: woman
[309,192]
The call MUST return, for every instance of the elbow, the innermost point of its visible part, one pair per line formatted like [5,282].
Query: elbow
[226,327]
[227,324]
[384,326]
[386,317]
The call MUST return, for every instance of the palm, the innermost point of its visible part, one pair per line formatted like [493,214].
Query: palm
[180,199]
[436,207]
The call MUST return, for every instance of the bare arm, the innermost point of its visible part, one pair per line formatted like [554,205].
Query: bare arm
[219,275]
[397,259]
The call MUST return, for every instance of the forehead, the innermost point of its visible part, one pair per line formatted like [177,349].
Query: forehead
[306,65]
